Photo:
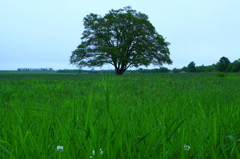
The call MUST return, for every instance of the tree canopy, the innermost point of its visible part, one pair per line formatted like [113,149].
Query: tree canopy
[191,67]
[123,38]
[223,64]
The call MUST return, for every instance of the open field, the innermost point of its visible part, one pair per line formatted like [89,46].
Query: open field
[135,116]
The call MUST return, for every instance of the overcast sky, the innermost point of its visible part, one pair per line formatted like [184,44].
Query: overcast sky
[43,33]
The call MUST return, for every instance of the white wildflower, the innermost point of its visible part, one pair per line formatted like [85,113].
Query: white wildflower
[60,148]
[186,147]
[100,151]
[93,153]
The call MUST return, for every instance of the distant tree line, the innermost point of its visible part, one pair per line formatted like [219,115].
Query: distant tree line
[223,65]
[155,70]
[35,69]
[76,71]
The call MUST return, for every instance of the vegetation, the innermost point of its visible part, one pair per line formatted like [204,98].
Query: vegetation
[223,64]
[131,116]
[234,67]
[191,67]
[35,69]
[123,38]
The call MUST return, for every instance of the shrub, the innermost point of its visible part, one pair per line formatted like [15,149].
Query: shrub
[221,74]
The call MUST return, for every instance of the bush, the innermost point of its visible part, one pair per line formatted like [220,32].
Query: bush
[221,74]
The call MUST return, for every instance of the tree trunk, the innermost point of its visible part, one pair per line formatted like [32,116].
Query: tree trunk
[119,71]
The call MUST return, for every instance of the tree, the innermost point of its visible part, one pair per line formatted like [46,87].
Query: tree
[234,67]
[124,38]
[164,70]
[184,69]
[223,64]
[175,70]
[191,67]
[210,68]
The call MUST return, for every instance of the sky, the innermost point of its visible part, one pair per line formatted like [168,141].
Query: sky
[43,33]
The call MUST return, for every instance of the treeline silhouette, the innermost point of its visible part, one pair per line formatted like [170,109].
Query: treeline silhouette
[35,69]
[223,65]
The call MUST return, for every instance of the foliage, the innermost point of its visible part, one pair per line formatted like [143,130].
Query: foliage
[123,38]
[160,70]
[221,74]
[35,69]
[175,70]
[163,70]
[184,69]
[210,68]
[223,64]
[68,71]
[234,67]
[191,67]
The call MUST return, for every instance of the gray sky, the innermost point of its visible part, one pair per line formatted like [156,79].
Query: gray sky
[43,33]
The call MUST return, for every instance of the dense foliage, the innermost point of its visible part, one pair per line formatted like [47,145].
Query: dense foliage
[123,38]
[191,67]
[223,65]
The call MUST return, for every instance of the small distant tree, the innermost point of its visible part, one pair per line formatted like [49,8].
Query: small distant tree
[184,69]
[191,67]
[234,67]
[140,70]
[201,68]
[164,70]
[175,70]
[223,64]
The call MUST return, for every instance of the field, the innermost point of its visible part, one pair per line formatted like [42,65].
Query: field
[135,116]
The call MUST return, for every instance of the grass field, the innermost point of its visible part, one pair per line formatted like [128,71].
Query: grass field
[135,116]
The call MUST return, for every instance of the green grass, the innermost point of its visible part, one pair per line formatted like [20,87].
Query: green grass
[135,116]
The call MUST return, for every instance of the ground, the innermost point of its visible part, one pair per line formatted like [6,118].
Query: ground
[129,116]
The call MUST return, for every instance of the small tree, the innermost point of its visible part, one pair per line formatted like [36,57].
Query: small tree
[223,64]
[164,70]
[124,38]
[234,67]
[184,69]
[175,70]
[191,67]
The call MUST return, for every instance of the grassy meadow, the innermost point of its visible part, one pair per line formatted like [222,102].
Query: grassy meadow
[134,116]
